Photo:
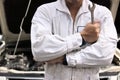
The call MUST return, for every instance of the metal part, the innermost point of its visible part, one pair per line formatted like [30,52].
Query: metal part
[91,9]
[114,8]
[21,30]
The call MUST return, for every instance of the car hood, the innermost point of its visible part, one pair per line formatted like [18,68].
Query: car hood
[6,19]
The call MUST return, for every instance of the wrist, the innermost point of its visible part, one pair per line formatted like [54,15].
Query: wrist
[83,40]
[65,60]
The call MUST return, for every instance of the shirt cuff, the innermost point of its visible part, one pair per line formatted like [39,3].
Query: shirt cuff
[83,42]
[74,42]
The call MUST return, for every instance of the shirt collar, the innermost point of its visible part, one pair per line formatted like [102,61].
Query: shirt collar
[62,6]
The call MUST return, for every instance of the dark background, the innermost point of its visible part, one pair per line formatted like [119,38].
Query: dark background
[15,11]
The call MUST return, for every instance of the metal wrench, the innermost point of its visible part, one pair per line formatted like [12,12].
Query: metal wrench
[91,9]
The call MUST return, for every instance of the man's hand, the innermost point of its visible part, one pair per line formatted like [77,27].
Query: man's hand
[91,32]
[57,60]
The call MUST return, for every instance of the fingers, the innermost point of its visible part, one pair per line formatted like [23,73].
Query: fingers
[93,27]
[91,32]
[95,24]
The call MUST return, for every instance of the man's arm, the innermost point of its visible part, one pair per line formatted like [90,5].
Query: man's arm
[90,34]
[102,51]
[45,45]
[99,53]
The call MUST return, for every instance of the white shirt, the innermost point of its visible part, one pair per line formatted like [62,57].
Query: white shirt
[53,34]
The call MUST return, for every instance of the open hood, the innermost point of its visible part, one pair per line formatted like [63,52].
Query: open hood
[13,14]
[15,23]
[7,19]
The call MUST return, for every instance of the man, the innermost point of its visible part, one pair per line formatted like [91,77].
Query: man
[73,48]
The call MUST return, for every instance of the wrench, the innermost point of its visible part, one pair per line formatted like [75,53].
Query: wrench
[91,9]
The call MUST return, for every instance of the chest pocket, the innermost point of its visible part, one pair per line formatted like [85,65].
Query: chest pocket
[61,25]
[82,21]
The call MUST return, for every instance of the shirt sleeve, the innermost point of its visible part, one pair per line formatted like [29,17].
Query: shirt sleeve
[45,45]
[100,53]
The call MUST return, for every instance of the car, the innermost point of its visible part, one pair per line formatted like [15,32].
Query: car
[15,46]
